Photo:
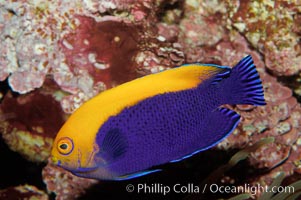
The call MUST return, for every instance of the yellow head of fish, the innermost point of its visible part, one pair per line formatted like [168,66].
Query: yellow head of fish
[74,147]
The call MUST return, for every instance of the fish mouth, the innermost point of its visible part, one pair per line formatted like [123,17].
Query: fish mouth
[54,160]
[78,169]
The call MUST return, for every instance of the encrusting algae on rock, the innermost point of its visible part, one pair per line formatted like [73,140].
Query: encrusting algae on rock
[34,120]
[23,192]
[64,184]
[272,27]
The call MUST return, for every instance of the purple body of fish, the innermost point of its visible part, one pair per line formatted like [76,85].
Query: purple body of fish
[173,126]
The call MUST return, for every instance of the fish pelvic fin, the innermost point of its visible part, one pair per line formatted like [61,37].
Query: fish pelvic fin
[244,85]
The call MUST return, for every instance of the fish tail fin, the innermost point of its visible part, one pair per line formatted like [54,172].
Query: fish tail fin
[244,85]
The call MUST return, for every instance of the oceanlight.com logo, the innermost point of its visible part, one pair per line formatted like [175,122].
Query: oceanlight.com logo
[190,188]
[247,188]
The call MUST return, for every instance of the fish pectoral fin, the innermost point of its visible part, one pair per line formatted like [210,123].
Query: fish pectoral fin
[135,175]
[114,145]
[219,124]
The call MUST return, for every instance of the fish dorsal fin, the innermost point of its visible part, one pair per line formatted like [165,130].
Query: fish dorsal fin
[114,145]
[224,74]
[135,175]
[217,72]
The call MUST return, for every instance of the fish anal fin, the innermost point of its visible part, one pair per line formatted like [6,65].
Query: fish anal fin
[135,175]
[219,124]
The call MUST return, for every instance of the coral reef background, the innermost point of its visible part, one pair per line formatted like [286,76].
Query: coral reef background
[57,54]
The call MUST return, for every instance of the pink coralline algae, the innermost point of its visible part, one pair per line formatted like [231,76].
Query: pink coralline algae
[29,34]
[30,50]
[137,10]
[107,5]
[273,28]
[194,24]
[105,50]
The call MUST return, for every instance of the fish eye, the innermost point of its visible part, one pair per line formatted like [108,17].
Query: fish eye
[65,145]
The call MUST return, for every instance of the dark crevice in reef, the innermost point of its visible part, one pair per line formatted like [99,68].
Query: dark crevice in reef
[4,88]
[292,82]
[15,170]
[171,11]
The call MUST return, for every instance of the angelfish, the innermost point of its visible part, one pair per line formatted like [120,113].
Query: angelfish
[159,118]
